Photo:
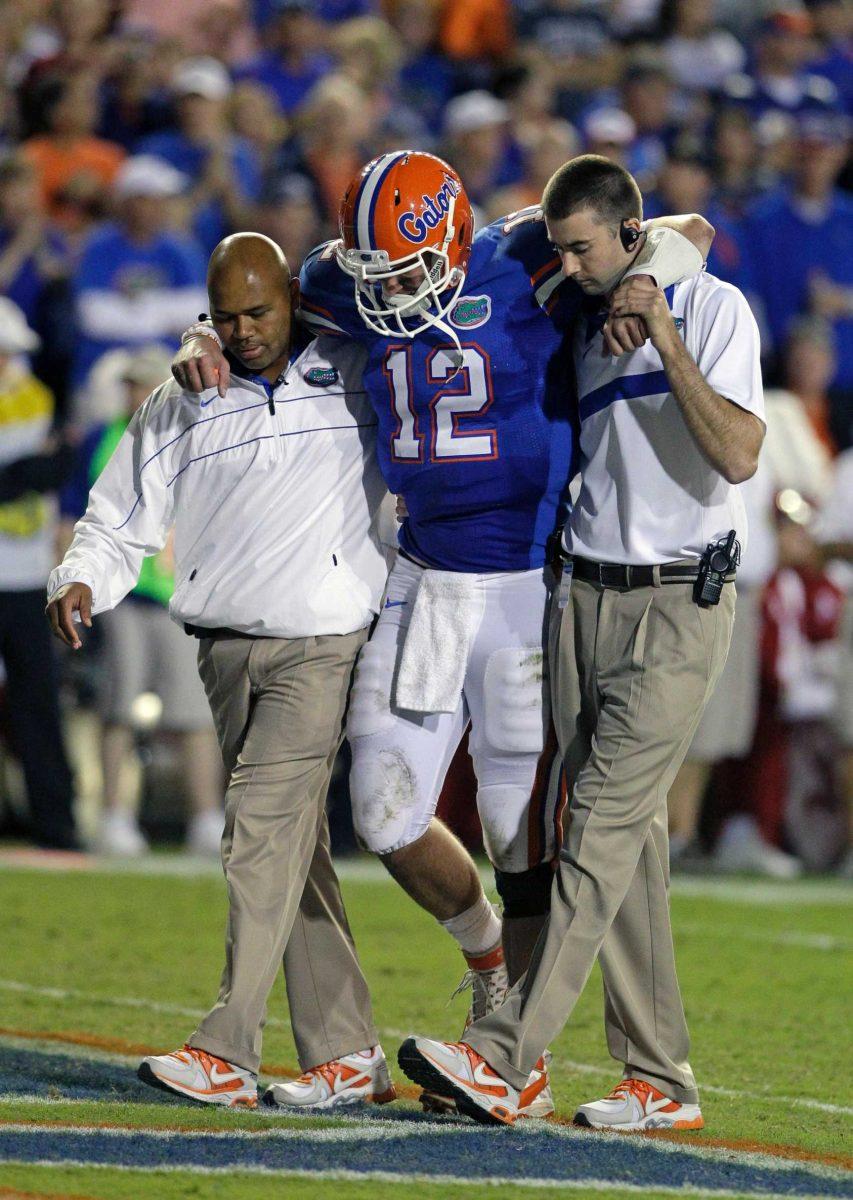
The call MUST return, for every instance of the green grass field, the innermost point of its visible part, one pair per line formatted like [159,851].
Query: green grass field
[126,962]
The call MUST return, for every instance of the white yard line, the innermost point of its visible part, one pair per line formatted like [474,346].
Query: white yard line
[363,869]
[458,1181]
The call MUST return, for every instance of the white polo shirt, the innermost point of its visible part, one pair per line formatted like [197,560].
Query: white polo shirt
[647,493]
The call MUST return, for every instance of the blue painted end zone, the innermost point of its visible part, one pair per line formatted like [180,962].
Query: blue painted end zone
[458,1152]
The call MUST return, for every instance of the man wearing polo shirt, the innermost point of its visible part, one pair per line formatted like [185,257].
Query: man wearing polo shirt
[636,647]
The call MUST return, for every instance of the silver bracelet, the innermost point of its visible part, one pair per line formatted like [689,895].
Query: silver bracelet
[201,329]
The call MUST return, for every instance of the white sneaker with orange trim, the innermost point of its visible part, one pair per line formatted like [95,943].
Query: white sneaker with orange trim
[635,1105]
[456,1070]
[201,1076]
[350,1079]
[488,980]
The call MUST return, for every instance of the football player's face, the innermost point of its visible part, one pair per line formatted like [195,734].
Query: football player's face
[252,315]
[405,284]
[591,253]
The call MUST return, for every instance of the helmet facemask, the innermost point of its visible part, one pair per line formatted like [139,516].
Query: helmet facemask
[405,314]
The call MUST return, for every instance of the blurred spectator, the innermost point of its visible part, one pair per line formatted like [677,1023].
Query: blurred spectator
[727,727]
[648,97]
[479,144]
[834,531]
[289,214]
[476,35]
[686,185]
[34,267]
[792,775]
[833,23]
[69,155]
[138,281]
[135,99]
[224,170]
[699,53]
[292,59]
[199,27]
[554,144]
[31,469]
[257,119]
[575,45]
[333,130]
[426,78]
[737,182]
[143,650]
[800,248]
[609,132]
[780,81]
[369,53]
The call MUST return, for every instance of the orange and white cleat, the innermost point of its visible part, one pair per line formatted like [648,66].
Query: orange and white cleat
[456,1070]
[201,1076]
[634,1106]
[351,1079]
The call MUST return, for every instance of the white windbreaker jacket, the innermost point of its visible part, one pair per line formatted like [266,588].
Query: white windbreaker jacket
[273,492]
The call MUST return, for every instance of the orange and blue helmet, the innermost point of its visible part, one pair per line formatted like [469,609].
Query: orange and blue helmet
[406,211]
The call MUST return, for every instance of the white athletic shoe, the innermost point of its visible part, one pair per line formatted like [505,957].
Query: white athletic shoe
[635,1105]
[350,1079]
[457,1071]
[119,836]
[204,833]
[742,848]
[201,1076]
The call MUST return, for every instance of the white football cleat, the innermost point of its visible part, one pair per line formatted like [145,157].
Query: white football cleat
[350,1079]
[201,1076]
[634,1106]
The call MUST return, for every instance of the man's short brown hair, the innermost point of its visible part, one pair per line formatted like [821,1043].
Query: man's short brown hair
[591,181]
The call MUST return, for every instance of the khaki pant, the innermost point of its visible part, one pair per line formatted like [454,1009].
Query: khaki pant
[278,706]
[631,672]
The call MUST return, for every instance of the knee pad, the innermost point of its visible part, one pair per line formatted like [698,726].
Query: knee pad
[514,700]
[525,893]
[384,793]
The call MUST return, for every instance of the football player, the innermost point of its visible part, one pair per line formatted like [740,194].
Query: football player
[473,389]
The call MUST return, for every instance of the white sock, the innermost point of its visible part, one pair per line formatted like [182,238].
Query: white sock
[477,929]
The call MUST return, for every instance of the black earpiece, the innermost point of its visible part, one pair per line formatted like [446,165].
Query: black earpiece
[628,235]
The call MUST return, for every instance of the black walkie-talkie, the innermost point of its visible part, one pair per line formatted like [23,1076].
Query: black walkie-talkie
[719,560]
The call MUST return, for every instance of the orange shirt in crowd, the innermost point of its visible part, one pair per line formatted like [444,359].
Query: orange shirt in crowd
[58,163]
[476,29]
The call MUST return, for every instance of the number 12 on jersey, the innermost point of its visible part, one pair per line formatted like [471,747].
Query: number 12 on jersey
[466,392]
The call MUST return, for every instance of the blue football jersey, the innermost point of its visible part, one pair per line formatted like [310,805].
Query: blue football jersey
[482,454]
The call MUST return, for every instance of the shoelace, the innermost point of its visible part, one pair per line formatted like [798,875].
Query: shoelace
[635,1087]
[488,990]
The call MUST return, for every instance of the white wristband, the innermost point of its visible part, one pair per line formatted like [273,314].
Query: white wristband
[201,329]
[667,256]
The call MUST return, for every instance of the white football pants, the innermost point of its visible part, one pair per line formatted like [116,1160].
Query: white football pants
[400,758]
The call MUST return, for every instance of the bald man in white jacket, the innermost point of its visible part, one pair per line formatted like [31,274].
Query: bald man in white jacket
[274,494]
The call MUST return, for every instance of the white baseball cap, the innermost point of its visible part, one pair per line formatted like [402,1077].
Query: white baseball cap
[474,110]
[148,175]
[611,125]
[16,337]
[202,77]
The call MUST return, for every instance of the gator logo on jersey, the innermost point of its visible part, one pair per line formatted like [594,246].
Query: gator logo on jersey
[471,312]
[414,227]
[679,324]
[322,376]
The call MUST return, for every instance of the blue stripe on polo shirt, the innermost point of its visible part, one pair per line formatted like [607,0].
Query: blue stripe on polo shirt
[627,387]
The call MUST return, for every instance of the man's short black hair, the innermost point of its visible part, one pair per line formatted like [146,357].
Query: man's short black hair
[591,181]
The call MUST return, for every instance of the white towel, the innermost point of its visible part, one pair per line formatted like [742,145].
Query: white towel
[435,653]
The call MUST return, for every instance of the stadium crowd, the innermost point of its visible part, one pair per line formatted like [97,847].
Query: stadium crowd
[135,134]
